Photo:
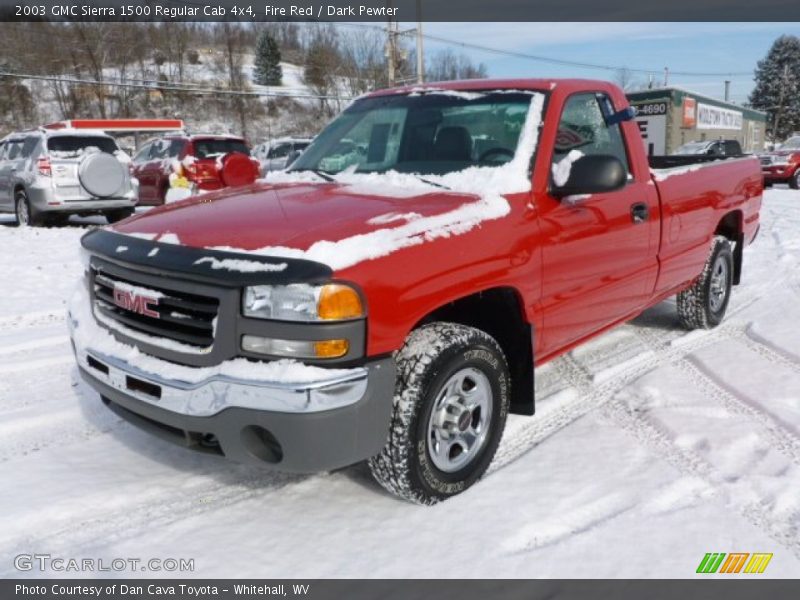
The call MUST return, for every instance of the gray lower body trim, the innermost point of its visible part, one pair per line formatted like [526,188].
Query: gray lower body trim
[291,442]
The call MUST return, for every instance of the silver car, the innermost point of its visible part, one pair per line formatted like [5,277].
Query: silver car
[47,175]
[279,154]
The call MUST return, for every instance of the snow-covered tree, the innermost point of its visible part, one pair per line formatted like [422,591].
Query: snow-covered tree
[777,89]
[267,62]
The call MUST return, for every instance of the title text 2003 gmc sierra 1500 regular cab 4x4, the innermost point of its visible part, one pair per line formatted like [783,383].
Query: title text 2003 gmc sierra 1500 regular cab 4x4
[387,297]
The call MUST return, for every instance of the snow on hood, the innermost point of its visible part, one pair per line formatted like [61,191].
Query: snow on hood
[352,220]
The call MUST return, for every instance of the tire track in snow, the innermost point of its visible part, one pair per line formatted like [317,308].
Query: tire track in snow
[780,438]
[35,344]
[158,511]
[590,392]
[33,319]
[782,530]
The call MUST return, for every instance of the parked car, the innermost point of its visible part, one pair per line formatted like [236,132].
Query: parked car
[200,158]
[392,309]
[279,154]
[45,176]
[711,148]
[783,164]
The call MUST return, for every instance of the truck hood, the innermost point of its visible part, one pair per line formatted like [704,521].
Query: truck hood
[290,219]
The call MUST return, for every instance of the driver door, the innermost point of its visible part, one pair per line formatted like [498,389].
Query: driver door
[599,252]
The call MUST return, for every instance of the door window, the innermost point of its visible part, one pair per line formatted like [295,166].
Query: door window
[142,155]
[14,149]
[28,146]
[280,151]
[583,128]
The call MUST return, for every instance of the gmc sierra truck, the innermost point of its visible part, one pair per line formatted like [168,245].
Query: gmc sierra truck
[387,297]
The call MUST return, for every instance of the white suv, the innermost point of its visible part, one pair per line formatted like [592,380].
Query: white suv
[47,175]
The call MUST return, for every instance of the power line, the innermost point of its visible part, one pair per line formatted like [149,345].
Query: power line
[556,61]
[173,87]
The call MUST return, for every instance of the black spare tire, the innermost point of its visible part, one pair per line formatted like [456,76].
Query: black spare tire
[101,174]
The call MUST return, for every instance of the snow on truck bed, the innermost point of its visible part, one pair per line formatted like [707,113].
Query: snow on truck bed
[651,446]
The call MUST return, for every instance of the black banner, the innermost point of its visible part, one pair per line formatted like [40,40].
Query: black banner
[400,10]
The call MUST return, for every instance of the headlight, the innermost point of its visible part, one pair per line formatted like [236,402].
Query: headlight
[302,302]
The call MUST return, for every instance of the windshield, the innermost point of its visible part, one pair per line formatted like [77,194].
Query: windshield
[212,148]
[792,142]
[436,132]
[693,148]
[75,144]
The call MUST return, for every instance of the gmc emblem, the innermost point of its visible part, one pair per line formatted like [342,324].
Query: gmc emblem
[137,303]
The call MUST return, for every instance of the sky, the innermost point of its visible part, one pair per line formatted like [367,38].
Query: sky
[712,48]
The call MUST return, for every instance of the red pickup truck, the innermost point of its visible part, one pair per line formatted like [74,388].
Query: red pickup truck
[783,165]
[387,298]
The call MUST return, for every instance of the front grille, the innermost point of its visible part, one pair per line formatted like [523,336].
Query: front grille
[766,160]
[176,315]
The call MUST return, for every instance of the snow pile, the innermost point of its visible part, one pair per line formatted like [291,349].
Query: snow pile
[240,265]
[563,168]
[392,217]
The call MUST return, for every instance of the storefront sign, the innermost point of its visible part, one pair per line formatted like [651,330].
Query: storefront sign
[689,112]
[714,117]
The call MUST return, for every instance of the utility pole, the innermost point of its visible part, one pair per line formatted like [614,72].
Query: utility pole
[420,50]
[666,76]
[391,48]
[727,90]
[396,56]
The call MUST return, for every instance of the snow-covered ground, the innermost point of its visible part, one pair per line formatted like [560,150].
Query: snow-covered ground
[651,446]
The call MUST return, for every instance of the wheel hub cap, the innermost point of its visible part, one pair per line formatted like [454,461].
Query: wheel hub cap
[719,284]
[460,419]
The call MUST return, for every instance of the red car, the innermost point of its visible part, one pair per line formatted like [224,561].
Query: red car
[209,162]
[386,298]
[783,165]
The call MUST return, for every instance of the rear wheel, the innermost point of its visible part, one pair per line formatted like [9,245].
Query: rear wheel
[703,305]
[450,406]
[26,215]
[112,216]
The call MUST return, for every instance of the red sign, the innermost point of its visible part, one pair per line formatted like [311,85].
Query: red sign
[689,112]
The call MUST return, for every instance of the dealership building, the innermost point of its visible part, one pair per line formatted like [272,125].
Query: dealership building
[670,117]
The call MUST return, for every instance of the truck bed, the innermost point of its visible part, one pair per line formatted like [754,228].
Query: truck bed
[682,160]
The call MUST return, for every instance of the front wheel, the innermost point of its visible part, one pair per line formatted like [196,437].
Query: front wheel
[450,406]
[703,305]
[794,180]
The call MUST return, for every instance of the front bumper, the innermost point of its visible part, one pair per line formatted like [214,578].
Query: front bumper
[324,423]
[777,173]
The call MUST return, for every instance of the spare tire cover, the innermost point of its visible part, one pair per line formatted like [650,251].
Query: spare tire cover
[238,169]
[101,174]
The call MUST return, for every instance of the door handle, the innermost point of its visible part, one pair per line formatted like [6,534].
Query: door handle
[639,212]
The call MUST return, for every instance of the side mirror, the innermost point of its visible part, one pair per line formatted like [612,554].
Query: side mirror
[593,174]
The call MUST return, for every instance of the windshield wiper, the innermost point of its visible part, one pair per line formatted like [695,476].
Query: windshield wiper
[317,172]
[429,182]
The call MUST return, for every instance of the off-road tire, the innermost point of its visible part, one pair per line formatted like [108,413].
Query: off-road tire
[34,219]
[696,308]
[430,356]
[118,214]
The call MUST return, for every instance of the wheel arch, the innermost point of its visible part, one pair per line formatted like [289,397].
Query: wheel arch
[731,227]
[500,313]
